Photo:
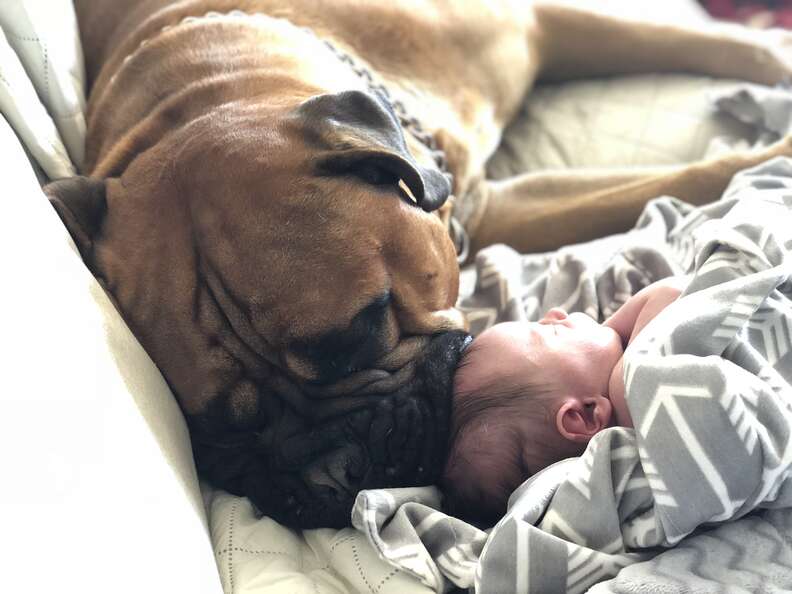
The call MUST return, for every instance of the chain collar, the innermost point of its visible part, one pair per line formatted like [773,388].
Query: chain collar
[408,122]
[412,125]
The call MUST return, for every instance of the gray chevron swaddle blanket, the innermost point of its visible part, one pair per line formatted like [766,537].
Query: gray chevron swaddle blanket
[698,497]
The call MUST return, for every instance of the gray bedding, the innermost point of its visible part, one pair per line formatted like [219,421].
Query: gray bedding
[698,497]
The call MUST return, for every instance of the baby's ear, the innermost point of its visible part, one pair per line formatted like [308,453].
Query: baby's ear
[579,419]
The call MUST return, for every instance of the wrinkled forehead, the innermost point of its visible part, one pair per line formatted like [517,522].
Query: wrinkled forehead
[236,143]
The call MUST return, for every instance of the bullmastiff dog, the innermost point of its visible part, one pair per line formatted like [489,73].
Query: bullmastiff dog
[267,202]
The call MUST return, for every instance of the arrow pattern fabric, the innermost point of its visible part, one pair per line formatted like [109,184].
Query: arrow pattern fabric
[698,497]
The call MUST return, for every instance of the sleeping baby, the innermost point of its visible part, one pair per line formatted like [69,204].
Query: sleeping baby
[528,394]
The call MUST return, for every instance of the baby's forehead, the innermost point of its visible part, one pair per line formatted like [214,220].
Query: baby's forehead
[484,374]
[495,338]
[472,365]
[509,337]
[498,339]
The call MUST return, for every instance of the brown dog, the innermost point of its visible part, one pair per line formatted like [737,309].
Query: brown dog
[272,236]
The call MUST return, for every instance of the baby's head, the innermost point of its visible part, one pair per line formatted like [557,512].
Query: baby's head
[526,395]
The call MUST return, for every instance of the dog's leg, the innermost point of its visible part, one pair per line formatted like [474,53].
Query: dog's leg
[573,43]
[544,211]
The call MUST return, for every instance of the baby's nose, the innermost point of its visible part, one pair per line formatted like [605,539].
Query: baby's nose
[555,314]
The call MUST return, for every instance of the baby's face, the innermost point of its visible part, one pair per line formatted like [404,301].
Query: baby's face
[571,354]
[564,355]
[567,355]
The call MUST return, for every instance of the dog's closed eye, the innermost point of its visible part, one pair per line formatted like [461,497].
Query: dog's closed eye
[379,171]
[376,175]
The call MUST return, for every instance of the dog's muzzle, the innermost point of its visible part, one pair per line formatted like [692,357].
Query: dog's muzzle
[305,470]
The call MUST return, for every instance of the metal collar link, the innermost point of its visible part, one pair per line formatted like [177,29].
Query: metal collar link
[410,123]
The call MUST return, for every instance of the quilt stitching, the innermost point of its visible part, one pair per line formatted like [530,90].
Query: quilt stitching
[252,551]
[341,541]
[231,546]
[44,55]
[384,580]
[356,558]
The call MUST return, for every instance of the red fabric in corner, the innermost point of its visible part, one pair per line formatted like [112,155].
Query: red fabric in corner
[755,13]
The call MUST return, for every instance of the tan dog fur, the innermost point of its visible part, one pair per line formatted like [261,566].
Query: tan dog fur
[462,68]
[222,248]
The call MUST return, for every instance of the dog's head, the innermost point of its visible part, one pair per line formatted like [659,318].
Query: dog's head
[284,268]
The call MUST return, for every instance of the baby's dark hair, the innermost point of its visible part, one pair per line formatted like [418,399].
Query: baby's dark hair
[491,404]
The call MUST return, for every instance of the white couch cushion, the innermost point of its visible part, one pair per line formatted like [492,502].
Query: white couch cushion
[99,488]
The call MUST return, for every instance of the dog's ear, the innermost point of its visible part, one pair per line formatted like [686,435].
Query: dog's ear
[81,203]
[362,136]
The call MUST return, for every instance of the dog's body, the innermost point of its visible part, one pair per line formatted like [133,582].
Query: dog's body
[253,230]
[405,43]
